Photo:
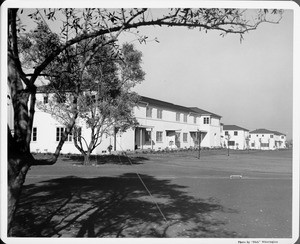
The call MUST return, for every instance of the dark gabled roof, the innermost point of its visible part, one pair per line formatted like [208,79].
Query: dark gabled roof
[265,131]
[278,133]
[202,112]
[262,131]
[233,127]
[160,103]
[151,102]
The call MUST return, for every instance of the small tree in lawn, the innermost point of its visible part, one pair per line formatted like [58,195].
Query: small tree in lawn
[107,100]
[110,105]
[97,23]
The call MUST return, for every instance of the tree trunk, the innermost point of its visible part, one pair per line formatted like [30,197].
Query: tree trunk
[87,160]
[19,162]
[16,179]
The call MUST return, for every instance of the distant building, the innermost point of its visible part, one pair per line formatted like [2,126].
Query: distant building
[264,139]
[235,137]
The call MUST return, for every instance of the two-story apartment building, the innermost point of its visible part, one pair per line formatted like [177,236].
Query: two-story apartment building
[264,139]
[210,124]
[161,125]
[235,137]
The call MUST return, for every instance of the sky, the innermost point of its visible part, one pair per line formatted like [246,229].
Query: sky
[250,84]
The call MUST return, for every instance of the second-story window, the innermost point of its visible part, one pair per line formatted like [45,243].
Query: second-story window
[177,116]
[45,99]
[235,133]
[185,118]
[149,112]
[195,119]
[159,113]
[226,133]
[206,120]
[60,98]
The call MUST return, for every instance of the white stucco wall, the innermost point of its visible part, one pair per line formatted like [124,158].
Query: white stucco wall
[257,139]
[168,126]
[240,140]
[46,132]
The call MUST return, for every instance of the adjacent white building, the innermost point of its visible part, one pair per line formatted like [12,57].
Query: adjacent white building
[264,139]
[162,125]
[235,137]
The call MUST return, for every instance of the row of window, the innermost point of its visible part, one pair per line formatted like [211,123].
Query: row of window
[159,136]
[149,114]
[262,144]
[59,133]
[271,136]
[59,98]
[234,133]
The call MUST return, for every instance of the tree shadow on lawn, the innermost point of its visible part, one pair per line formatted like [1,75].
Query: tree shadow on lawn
[116,207]
[106,159]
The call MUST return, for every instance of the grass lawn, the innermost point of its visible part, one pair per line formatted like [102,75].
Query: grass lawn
[190,197]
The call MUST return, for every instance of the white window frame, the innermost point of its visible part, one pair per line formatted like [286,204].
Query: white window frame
[206,120]
[148,112]
[59,132]
[185,118]
[177,116]
[159,113]
[34,134]
[159,136]
[185,137]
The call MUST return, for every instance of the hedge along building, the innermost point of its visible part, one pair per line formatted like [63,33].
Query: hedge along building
[161,125]
[235,136]
[264,139]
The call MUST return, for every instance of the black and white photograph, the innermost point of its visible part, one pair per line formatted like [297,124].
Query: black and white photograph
[173,120]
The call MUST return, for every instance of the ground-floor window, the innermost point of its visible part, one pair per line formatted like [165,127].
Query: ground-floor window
[231,143]
[265,145]
[59,133]
[34,134]
[159,136]
[148,136]
[184,137]
[252,144]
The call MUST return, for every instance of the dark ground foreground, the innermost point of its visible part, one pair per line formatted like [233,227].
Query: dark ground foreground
[197,198]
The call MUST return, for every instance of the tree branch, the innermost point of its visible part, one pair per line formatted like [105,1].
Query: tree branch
[15,56]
